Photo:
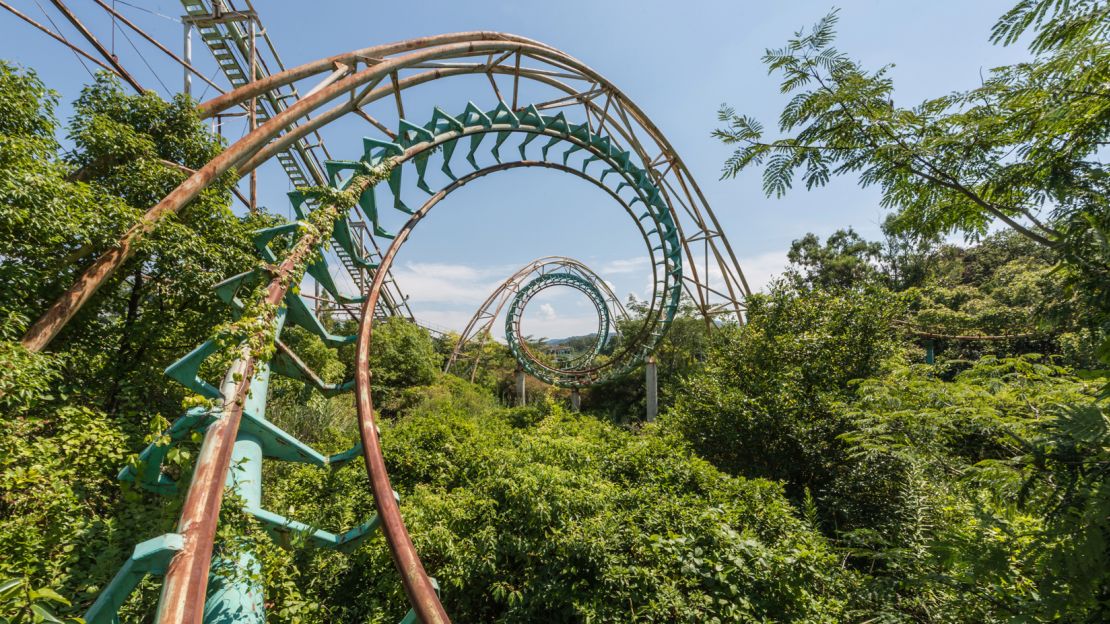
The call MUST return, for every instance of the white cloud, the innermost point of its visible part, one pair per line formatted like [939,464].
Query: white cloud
[761,269]
[447,295]
[626,265]
[430,283]
[560,327]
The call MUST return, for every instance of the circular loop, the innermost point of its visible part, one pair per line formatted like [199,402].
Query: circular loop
[662,185]
[595,158]
[479,329]
[578,371]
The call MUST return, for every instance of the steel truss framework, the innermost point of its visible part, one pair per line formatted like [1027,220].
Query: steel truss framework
[610,131]
[479,329]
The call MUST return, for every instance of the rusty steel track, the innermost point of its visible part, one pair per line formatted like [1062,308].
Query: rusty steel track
[387,71]
[478,328]
[557,70]
[186,584]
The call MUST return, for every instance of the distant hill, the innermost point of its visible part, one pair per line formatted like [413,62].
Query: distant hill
[559,341]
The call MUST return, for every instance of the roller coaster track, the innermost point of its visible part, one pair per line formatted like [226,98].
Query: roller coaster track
[571,374]
[600,136]
[229,43]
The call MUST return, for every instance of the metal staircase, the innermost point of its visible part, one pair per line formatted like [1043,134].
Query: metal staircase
[221,28]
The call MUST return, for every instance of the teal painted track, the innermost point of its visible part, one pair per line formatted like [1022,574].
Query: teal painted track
[576,373]
[591,154]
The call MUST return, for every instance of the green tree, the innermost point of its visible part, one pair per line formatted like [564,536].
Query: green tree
[402,355]
[1024,149]
[682,351]
[48,221]
[55,212]
[846,260]
[976,470]
[764,404]
[496,366]
[73,416]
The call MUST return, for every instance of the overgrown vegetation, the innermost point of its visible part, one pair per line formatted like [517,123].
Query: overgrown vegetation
[808,466]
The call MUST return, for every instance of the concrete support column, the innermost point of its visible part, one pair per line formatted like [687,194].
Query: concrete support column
[520,378]
[575,400]
[651,380]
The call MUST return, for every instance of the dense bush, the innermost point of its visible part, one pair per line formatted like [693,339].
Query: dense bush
[534,514]
[940,485]
[402,355]
[965,511]
[70,419]
[765,403]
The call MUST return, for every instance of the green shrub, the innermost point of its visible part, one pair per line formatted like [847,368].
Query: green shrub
[765,403]
[536,514]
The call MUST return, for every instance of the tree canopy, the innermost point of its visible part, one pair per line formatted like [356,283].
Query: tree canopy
[1024,149]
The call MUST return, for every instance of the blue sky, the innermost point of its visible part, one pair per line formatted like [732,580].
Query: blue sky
[678,61]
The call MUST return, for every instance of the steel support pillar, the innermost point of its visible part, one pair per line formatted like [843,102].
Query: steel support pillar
[236,594]
[651,379]
[575,400]
[253,114]
[520,377]
[188,44]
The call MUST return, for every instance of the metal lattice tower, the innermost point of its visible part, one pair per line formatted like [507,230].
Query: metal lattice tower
[222,30]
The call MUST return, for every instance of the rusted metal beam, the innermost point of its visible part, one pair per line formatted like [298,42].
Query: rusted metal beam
[393,80]
[252,109]
[233,98]
[416,583]
[186,581]
[733,272]
[111,58]
[219,17]
[570,100]
[516,79]
[377,124]
[183,169]
[57,37]
[492,63]
[340,71]
[493,83]
[89,282]
[375,92]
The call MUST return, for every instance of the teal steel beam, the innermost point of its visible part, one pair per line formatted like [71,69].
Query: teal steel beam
[149,557]
[569,375]
[236,594]
[283,528]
